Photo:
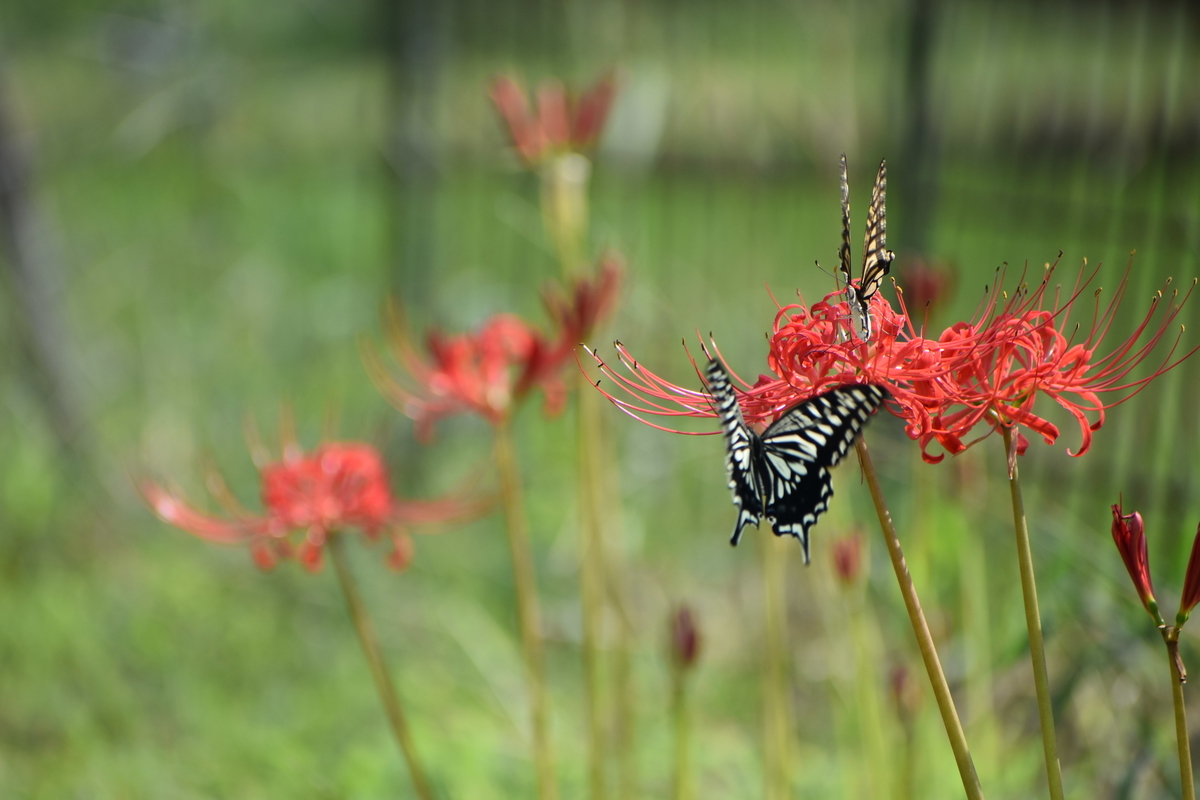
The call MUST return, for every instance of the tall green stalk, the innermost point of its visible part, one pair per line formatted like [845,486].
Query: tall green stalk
[682,789]
[867,701]
[1033,621]
[565,206]
[933,666]
[776,702]
[1170,634]
[379,670]
[592,579]
[528,611]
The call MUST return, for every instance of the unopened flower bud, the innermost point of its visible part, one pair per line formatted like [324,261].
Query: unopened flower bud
[847,558]
[685,638]
[1129,533]
[1191,583]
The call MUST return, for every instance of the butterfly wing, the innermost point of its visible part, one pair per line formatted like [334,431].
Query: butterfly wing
[743,450]
[844,251]
[877,259]
[799,449]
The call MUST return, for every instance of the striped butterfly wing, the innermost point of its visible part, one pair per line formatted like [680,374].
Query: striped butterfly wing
[798,451]
[877,259]
[844,251]
[743,450]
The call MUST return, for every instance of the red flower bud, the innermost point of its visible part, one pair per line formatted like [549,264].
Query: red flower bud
[1191,583]
[685,638]
[1129,533]
[847,558]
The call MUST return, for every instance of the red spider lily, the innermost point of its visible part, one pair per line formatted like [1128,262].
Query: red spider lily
[589,302]
[337,486]
[487,372]
[561,124]
[1021,351]
[1129,533]
[989,370]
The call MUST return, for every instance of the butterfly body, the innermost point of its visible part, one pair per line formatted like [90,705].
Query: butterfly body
[877,259]
[783,474]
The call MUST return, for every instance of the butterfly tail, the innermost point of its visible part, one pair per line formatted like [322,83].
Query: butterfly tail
[744,518]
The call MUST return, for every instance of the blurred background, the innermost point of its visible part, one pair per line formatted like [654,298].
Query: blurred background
[202,206]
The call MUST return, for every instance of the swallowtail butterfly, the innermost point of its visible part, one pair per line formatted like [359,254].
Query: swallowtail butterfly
[783,474]
[877,259]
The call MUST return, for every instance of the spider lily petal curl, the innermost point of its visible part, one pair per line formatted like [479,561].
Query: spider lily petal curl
[337,486]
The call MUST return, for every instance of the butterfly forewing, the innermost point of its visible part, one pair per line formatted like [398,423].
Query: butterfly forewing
[844,251]
[877,259]
[800,448]
[743,450]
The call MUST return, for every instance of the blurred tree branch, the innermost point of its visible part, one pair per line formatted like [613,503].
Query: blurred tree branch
[36,282]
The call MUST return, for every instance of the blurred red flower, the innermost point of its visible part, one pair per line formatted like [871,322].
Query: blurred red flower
[337,486]
[487,372]
[562,123]
[989,370]
[1129,534]
[588,302]
[490,371]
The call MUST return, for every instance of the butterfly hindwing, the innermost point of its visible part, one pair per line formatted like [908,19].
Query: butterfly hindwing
[743,450]
[783,475]
[800,448]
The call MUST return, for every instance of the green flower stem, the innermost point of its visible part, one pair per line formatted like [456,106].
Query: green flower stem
[941,689]
[528,612]
[776,722]
[592,577]
[565,206]
[1170,635]
[682,721]
[1033,621]
[379,670]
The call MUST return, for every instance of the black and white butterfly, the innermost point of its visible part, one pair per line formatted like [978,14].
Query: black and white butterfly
[783,474]
[877,259]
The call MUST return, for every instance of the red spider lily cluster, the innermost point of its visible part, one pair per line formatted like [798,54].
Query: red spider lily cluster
[1129,534]
[986,372]
[338,486]
[491,370]
[561,124]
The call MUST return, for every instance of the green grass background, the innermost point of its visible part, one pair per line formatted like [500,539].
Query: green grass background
[229,190]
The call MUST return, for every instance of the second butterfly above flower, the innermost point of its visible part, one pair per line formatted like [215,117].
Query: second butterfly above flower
[877,259]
